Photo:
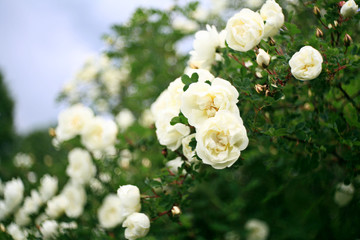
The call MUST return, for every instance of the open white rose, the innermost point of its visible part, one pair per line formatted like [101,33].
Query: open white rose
[32,203]
[16,232]
[257,229]
[168,99]
[221,139]
[349,9]
[306,64]
[202,101]
[130,199]
[110,213]
[343,194]
[48,187]
[72,121]
[244,30]
[137,225]
[205,44]
[99,133]
[272,14]
[81,168]
[263,58]
[22,218]
[170,135]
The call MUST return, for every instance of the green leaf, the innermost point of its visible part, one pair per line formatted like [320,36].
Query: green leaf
[192,144]
[292,28]
[351,115]
[179,119]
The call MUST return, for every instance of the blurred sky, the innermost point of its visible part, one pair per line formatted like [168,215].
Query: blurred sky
[44,42]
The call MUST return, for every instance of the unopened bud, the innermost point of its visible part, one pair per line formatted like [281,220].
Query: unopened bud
[259,88]
[316,12]
[263,58]
[175,211]
[164,152]
[341,3]
[336,24]
[271,41]
[52,132]
[319,33]
[347,40]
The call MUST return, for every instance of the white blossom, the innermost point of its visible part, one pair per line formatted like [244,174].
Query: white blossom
[271,13]
[257,229]
[49,229]
[130,199]
[349,9]
[48,187]
[343,194]
[81,168]
[306,64]
[137,226]
[110,213]
[125,119]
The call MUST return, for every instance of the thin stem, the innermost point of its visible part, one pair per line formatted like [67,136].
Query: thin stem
[348,97]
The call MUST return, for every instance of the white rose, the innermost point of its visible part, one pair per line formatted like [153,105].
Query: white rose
[99,133]
[221,139]
[170,135]
[81,168]
[130,199]
[49,229]
[168,99]
[76,199]
[205,44]
[174,164]
[253,4]
[72,120]
[13,194]
[112,78]
[89,71]
[147,118]
[349,9]
[110,213]
[56,206]
[344,194]
[16,233]
[187,150]
[244,30]
[48,187]
[271,13]
[202,101]
[263,58]
[306,64]
[257,229]
[137,225]
[125,119]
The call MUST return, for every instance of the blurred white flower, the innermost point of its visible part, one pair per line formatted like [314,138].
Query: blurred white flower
[137,226]
[71,121]
[88,72]
[112,79]
[21,218]
[125,119]
[147,118]
[184,25]
[49,229]
[257,229]
[343,194]
[110,212]
[16,232]
[32,203]
[349,9]
[244,30]
[81,168]
[76,199]
[201,14]
[13,194]
[253,4]
[218,6]
[48,187]
[130,199]
[23,160]
[221,139]
[56,206]
[99,133]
